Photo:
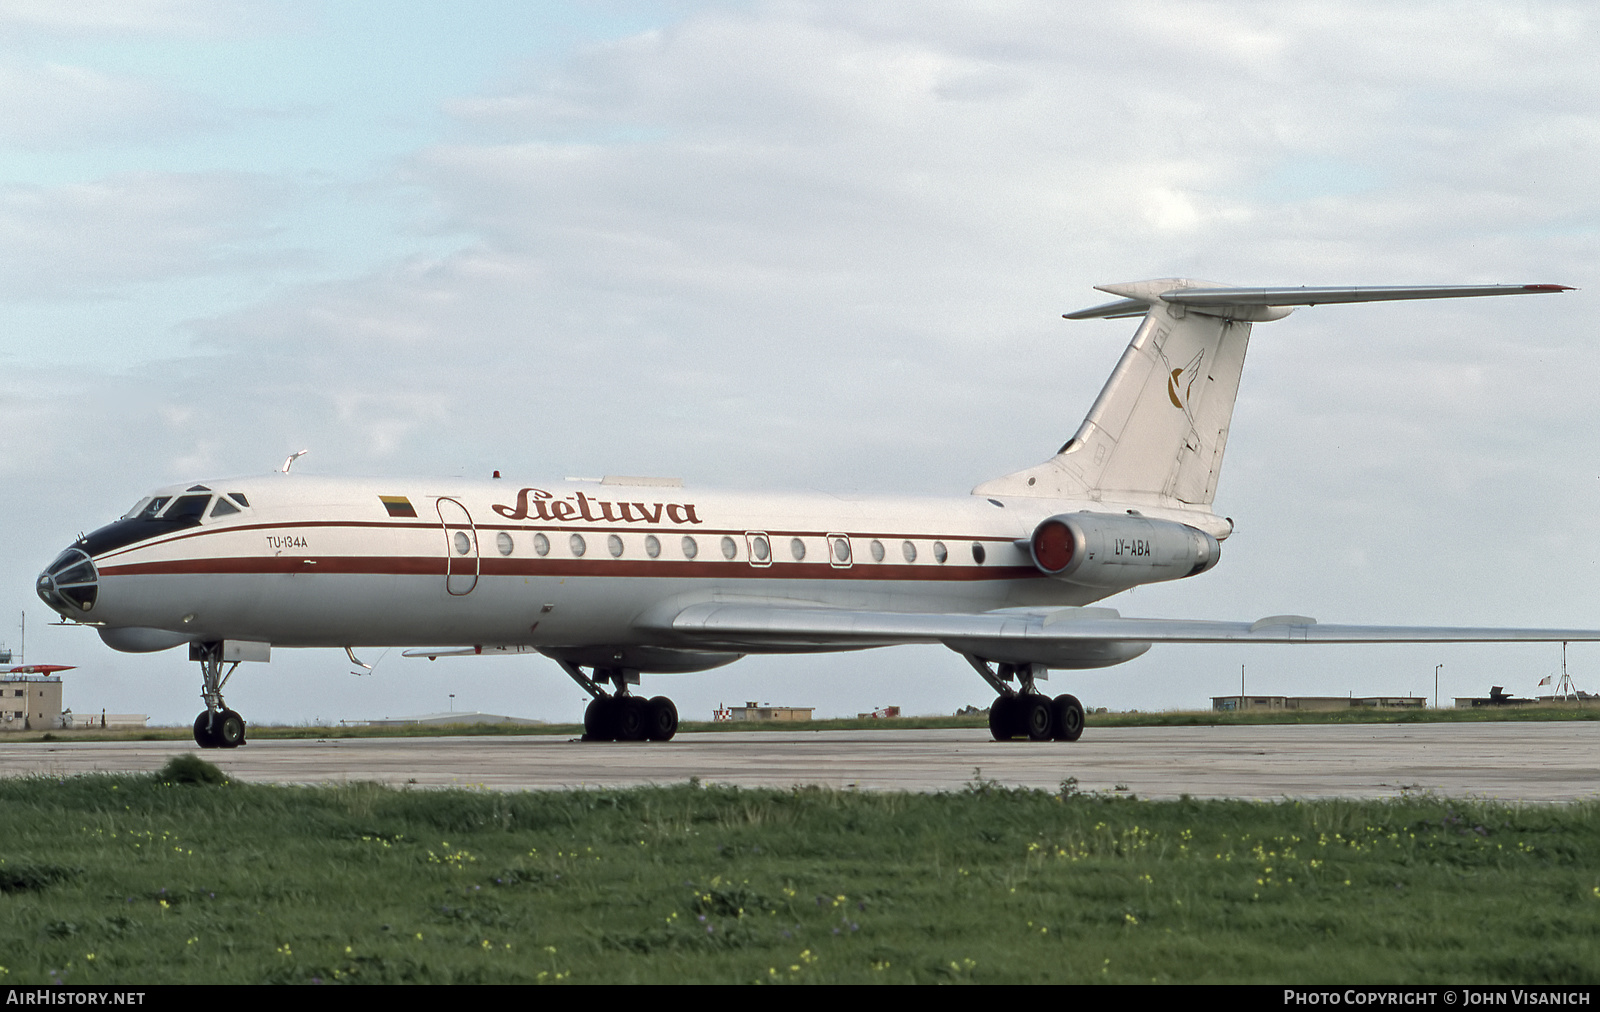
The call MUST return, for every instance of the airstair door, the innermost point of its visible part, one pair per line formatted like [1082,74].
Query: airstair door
[461,548]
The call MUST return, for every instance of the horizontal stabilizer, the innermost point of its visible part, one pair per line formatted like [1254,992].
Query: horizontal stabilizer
[1201,295]
[1121,309]
[1326,296]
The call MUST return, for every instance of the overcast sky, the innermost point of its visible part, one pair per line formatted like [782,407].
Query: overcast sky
[803,245]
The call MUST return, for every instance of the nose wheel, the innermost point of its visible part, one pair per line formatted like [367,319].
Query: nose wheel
[217,726]
[223,729]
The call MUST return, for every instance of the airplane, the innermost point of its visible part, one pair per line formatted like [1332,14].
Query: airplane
[36,669]
[627,576]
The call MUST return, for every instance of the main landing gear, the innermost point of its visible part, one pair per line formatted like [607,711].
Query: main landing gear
[217,726]
[622,716]
[1027,712]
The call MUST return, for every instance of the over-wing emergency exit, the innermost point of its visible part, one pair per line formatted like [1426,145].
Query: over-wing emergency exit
[631,576]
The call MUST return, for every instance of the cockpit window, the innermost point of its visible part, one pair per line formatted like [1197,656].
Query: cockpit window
[197,488]
[239,498]
[223,508]
[187,507]
[136,508]
[159,516]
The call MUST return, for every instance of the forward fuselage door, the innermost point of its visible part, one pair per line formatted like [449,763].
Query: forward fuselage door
[461,548]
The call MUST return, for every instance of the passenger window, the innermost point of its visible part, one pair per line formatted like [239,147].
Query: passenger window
[502,541]
[577,544]
[652,546]
[541,544]
[729,549]
[614,546]
[797,548]
[908,550]
[690,549]
[940,553]
[877,550]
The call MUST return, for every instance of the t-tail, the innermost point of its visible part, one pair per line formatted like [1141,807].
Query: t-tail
[1156,434]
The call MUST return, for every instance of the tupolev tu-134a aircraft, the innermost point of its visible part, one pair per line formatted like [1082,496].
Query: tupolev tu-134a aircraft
[629,576]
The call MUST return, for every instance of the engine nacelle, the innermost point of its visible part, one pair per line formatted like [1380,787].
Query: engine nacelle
[1109,550]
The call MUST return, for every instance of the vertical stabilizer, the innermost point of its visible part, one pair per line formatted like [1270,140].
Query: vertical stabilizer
[1158,429]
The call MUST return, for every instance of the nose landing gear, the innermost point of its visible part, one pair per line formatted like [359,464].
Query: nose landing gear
[217,726]
[1027,712]
[621,716]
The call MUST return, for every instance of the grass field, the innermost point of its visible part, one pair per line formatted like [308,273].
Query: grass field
[130,879]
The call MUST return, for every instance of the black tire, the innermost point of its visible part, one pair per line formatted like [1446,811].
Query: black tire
[205,731]
[598,722]
[229,729]
[631,719]
[1037,721]
[1003,718]
[1068,718]
[663,722]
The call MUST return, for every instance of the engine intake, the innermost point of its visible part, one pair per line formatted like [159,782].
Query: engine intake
[1110,550]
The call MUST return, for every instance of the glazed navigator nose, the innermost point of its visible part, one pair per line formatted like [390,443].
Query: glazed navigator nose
[70,584]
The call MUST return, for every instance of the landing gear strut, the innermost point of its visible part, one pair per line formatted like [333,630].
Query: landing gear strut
[620,715]
[1027,712]
[217,726]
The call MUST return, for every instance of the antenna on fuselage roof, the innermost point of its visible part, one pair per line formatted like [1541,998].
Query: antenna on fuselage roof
[292,458]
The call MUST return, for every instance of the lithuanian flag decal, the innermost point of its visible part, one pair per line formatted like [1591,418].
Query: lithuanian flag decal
[398,505]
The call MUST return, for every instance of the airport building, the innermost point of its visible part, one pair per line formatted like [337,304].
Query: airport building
[103,721]
[30,703]
[1232,703]
[752,710]
[444,720]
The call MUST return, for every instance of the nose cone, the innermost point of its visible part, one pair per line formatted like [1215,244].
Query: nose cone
[70,584]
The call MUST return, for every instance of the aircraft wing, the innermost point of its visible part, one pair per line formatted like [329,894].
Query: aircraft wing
[734,625]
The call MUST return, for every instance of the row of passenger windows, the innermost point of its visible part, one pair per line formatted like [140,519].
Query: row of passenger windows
[759,547]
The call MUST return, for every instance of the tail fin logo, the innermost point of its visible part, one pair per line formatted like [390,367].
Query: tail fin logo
[1180,385]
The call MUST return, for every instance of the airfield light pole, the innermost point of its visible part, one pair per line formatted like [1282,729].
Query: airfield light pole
[452,702]
[1436,668]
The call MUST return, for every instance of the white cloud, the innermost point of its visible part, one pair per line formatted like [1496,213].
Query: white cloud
[60,106]
[182,18]
[82,241]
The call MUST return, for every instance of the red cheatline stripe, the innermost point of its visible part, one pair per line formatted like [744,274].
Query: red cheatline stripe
[435,566]
[954,542]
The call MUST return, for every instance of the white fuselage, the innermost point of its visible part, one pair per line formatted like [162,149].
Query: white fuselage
[427,562]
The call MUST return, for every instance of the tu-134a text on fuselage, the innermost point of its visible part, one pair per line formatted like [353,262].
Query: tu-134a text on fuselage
[629,576]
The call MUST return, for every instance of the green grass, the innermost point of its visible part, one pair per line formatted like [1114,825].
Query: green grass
[1133,718]
[129,879]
